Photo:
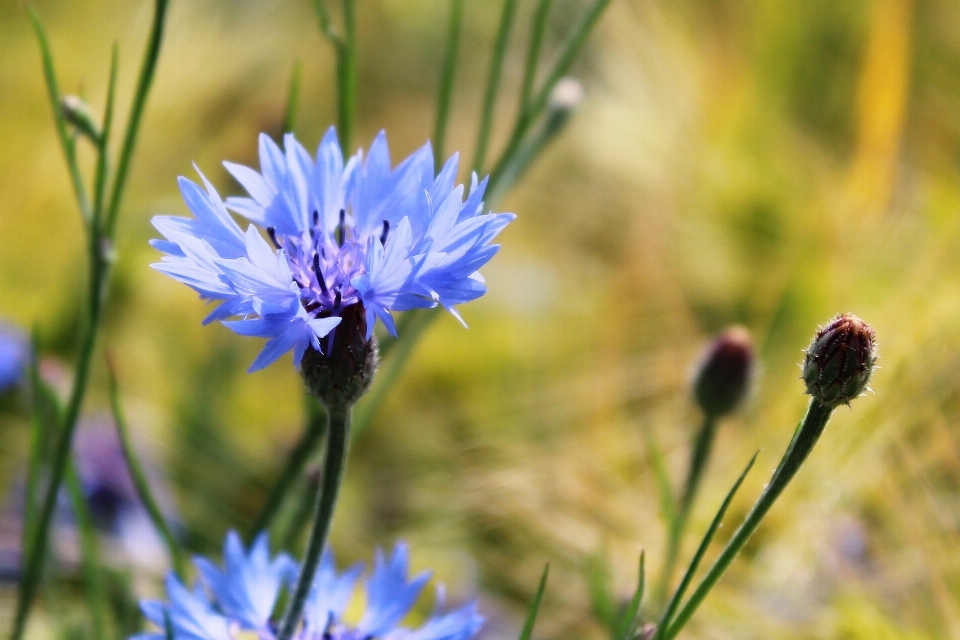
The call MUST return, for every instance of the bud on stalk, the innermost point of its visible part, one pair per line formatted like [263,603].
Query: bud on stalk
[837,368]
[840,360]
[724,374]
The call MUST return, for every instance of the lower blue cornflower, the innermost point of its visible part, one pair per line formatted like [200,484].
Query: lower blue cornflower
[238,600]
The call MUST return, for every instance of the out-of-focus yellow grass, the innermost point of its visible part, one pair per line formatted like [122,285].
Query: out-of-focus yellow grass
[767,163]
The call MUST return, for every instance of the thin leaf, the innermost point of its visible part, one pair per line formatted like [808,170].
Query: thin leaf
[66,142]
[103,154]
[664,490]
[627,622]
[527,631]
[701,550]
[293,97]
[139,477]
[601,598]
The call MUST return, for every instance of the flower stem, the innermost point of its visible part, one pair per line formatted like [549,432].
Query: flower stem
[698,464]
[335,458]
[493,83]
[446,80]
[347,76]
[805,437]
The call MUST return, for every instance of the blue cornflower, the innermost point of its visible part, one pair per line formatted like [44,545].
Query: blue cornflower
[333,238]
[14,354]
[241,597]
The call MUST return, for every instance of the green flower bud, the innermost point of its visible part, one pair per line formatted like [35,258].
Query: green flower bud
[724,374]
[79,114]
[343,373]
[840,360]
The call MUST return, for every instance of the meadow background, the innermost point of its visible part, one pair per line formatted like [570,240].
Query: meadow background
[757,162]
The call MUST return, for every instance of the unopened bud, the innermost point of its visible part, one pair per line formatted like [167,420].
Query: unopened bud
[79,114]
[840,360]
[724,374]
[344,371]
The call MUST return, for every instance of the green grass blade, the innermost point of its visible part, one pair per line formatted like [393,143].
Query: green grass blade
[89,554]
[701,550]
[144,81]
[664,490]
[493,83]
[293,98]
[66,142]
[527,631]
[602,602]
[447,76]
[140,479]
[627,622]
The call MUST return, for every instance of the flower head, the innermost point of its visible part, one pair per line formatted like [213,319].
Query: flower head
[241,596]
[327,236]
[840,360]
[724,374]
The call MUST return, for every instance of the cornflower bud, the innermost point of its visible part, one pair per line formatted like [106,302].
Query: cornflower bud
[840,360]
[345,369]
[564,100]
[79,114]
[724,373]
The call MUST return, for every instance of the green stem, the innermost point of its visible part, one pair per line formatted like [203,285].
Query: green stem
[36,551]
[103,152]
[493,83]
[100,268]
[446,80]
[338,435]
[147,71]
[699,456]
[805,437]
[701,551]
[568,52]
[89,555]
[315,428]
[140,480]
[347,76]
[533,53]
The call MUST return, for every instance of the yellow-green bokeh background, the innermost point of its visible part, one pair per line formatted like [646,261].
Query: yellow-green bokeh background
[762,162]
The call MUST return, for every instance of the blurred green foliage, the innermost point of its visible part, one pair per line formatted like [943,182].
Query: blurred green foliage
[762,162]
